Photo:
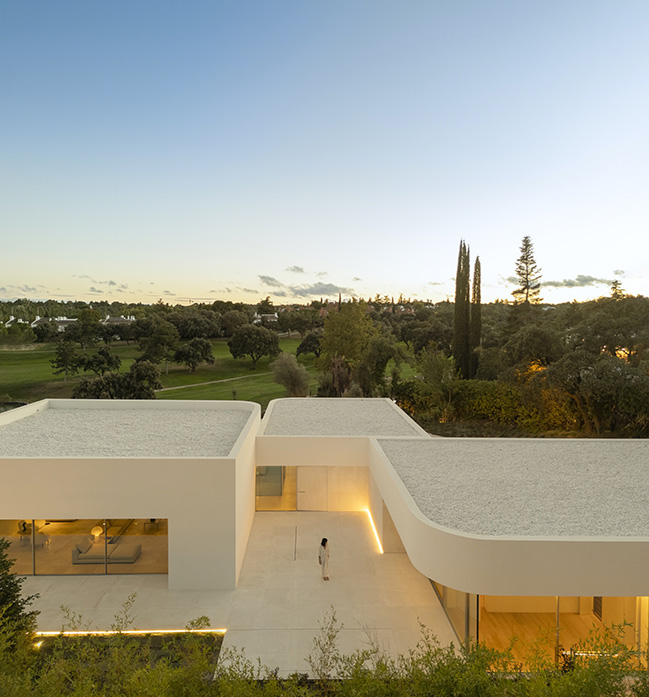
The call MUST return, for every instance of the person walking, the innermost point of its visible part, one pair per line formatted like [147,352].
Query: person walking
[323,558]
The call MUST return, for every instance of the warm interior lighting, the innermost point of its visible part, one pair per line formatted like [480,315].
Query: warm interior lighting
[96,531]
[376,534]
[142,632]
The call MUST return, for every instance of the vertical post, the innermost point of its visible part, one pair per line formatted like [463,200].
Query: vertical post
[105,526]
[33,548]
[557,642]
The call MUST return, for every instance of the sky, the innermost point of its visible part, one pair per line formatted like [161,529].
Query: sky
[195,150]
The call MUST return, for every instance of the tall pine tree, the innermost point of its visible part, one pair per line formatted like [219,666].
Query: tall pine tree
[528,275]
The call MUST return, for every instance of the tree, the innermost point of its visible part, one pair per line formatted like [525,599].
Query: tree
[195,352]
[617,292]
[101,362]
[86,330]
[528,275]
[299,321]
[475,323]
[290,374]
[266,306]
[15,616]
[534,344]
[232,320]
[65,359]
[369,372]
[46,332]
[347,334]
[462,315]
[141,382]
[254,342]
[195,323]
[310,344]
[158,339]
[437,384]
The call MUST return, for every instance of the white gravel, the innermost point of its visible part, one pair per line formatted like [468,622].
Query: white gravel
[337,417]
[123,433]
[539,488]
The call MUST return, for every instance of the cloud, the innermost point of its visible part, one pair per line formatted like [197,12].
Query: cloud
[619,272]
[435,283]
[321,274]
[99,283]
[270,281]
[167,292]
[279,293]
[579,282]
[296,269]
[319,288]
[92,289]
[356,278]
[248,290]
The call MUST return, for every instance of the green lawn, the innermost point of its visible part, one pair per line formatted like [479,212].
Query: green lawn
[26,375]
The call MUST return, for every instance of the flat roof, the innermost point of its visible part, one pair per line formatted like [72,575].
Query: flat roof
[528,487]
[125,431]
[337,417]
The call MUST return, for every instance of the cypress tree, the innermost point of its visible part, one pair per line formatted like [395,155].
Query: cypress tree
[475,327]
[461,320]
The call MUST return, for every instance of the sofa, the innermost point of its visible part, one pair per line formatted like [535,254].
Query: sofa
[87,552]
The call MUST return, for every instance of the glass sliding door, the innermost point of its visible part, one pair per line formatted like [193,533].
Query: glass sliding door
[88,546]
[138,546]
[276,488]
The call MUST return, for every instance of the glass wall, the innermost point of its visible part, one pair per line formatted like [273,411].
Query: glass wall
[276,488]
[19,535]
[557,627]
[88,546]
[461,609]
[137,546]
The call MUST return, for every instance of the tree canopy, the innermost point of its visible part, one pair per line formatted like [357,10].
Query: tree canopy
[254,342]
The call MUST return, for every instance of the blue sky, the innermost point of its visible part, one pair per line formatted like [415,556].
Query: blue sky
[236,149]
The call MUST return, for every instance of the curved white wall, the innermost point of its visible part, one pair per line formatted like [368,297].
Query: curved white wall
[508,565]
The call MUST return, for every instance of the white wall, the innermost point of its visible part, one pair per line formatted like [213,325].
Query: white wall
[195,495]
[209,502]
[245,491]
[348,451]
[508,565]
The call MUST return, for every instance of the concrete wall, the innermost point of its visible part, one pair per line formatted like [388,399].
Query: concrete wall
[209,502]
[347,488]
[245,490]
[348,451]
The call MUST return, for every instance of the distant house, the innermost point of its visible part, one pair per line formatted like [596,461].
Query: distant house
[112,320]
[13,320]
[265,320]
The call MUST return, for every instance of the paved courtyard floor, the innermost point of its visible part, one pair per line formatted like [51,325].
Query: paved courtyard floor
[281,599]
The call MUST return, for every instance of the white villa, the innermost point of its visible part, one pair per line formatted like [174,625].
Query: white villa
[505,529]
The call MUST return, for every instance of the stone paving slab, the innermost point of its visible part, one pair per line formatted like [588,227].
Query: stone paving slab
[281,600]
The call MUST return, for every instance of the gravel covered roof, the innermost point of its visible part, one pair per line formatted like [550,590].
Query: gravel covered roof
[337,417]
[530,487]
[137,432]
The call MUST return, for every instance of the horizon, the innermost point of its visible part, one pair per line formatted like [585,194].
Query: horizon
[298,151]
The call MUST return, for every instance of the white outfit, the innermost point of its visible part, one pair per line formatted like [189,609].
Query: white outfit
[323,560]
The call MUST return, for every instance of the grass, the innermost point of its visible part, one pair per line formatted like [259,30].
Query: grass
[26,375]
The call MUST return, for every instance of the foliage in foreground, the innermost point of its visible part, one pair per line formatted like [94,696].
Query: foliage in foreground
[121,665]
